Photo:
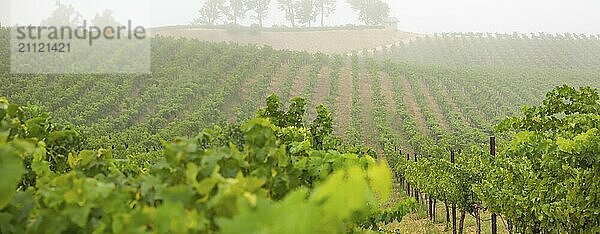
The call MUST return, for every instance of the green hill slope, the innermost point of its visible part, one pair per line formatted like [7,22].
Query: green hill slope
[569,51]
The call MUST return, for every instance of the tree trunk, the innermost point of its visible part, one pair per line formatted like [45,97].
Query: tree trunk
[430,200]
[428,211]
[434,213]
[453,218]
[461,223]
[260,14]
[447,212]
[494,224]
[477,219]
[322,15]
[235,17]
[293,14]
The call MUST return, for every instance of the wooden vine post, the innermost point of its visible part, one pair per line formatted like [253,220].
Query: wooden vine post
[430,207]
[408,183]
[400,177]
[453,205]
[493,153]
[415,189]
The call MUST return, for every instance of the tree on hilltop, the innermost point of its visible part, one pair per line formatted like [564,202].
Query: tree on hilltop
[324,8]
[306,12]
[289,8]
[236,10]
[63,15]
[211,11]
[370,12]
[105,20]
[260,7]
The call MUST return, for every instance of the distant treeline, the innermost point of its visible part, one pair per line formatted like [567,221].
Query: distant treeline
[304,13]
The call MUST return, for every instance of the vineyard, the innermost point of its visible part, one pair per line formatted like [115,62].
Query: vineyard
[410,129]
[535,50]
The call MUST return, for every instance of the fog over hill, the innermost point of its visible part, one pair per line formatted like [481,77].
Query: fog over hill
[424,16]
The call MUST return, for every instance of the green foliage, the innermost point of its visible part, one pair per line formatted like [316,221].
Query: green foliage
[11,169]
[209,183]
[273,110]
[452,181]
[544,180]
[325,210]
[565,110]
[295,115]
[547,179]
[473,49]
[27,125]
[321,127]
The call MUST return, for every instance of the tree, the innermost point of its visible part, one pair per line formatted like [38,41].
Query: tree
[306,12]
[260,7]
[63,15]
[289,8]
[370,12]
[211,11]
[236,9]
[324,8]
[105,20]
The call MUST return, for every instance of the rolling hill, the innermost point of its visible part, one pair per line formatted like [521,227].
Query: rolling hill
[332,40]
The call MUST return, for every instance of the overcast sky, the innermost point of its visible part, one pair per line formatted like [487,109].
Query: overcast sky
[424,16]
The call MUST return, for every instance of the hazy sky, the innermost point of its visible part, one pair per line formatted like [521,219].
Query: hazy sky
[425,16]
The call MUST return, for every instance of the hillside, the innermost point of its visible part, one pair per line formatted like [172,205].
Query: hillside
[397,109]
[324,41]
[539,50]
[197,84]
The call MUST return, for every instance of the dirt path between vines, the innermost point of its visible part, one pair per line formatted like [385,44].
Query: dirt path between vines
[368,129]
[342,113]
[275,86]
[241,95]
[299,83]
[390,105]
[411,105]
[321,92]
[465,99]
[451,102]
[432,104]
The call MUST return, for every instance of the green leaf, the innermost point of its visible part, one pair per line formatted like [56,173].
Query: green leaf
[380,180]
[11,169]
[566,145]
